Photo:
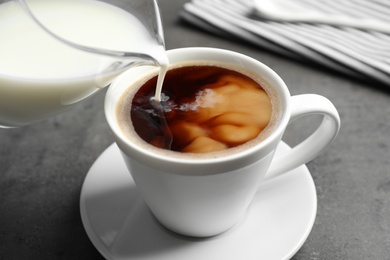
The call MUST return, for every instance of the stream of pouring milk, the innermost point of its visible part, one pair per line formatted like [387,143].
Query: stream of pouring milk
[40,76]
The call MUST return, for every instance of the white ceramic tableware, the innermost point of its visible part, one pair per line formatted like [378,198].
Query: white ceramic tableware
[205,197]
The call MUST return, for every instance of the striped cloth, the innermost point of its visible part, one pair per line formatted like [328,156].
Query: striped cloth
[359,53]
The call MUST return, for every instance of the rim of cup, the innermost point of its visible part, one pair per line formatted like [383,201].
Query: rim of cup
[209,54]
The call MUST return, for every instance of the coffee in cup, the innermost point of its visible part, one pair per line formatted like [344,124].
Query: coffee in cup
[206,107]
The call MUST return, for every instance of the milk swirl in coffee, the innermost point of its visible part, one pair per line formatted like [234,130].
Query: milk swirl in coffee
[204,108]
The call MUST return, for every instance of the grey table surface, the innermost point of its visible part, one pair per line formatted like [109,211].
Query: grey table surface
[43,166]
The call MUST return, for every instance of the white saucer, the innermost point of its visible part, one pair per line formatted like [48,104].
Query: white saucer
[120,225]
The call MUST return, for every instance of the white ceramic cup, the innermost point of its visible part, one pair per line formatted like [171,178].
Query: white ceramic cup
[205,197]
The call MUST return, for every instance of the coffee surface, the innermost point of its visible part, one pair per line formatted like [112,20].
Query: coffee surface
[203,109]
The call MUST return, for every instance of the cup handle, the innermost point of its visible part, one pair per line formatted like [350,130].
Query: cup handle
[311,147]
